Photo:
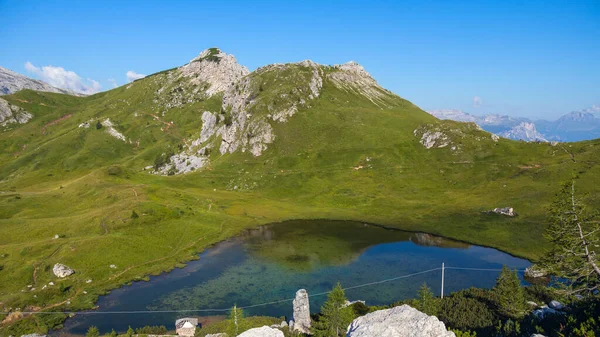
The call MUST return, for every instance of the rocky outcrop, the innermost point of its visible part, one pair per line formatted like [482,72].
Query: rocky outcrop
[398,321]
[534,272]
[264,331]
[216,69]
[432,138]
[301,312]
[508,211]
[10,113]
[353,77]
[110,128]
[60,270]
[556,305]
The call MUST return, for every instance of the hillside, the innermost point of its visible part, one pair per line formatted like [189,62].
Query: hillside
[144,176]
[11,82]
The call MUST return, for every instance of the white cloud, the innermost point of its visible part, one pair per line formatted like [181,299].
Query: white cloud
[64,79]
[477,102]
[132,76]
[113,82]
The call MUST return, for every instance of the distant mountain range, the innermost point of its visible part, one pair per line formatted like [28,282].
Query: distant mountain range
[11,82]
[572,127]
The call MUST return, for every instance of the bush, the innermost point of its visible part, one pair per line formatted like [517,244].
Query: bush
[152,330]
[92,332]
[134,215]
[114,170]
[470,309]
[98,125]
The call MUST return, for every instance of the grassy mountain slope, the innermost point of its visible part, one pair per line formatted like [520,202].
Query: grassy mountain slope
[350,152]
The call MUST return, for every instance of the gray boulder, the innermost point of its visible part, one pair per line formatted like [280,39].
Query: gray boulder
[264,331]
[508,211]
[398,321]
[301,312]
[534,272]
[545,311]
[60,270]
[556,305]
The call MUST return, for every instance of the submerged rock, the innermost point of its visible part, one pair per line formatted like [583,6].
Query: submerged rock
[264,331]
[60,270]
[402,321]
[301,312]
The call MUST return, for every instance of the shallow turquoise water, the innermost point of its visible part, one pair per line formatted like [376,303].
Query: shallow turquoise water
[272,262]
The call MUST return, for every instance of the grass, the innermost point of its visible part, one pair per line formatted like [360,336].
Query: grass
[83,184]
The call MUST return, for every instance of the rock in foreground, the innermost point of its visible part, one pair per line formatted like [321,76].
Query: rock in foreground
[264,331]
[398,321]
[60,270]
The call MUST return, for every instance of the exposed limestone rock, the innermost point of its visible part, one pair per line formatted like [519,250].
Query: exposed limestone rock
[10,113]
[352,76]
[110,128]
[495,137]
[433,139]
[209,124]
[545,311]
[508,211]
[534,272]
[301,312]
[556,305]
[398,321]
[217,335]
[60,270]
[11,82]
[34,335]
[264,331]
[216,68]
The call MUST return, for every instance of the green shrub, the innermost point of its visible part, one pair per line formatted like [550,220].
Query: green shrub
[152,330]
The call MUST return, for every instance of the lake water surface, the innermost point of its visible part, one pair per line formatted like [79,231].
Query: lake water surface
[271,262]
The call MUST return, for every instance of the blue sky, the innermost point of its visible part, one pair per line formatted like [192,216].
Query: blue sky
[522,58]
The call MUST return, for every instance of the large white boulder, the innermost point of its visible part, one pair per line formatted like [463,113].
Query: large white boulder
[60,270]
[398,321]
[264,331]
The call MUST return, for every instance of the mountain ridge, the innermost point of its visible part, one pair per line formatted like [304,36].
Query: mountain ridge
[11,82]
[573,126]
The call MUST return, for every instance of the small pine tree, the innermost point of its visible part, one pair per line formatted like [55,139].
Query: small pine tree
[113,333]
[134,215]
[427,302]
[129,332]
[236,323]
[98,125]
[335,316]
[92,332]
[510,294]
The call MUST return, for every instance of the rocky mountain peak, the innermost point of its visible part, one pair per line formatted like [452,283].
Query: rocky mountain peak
[352,76]
[215,68]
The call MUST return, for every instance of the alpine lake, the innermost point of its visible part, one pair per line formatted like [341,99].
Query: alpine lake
[270,263]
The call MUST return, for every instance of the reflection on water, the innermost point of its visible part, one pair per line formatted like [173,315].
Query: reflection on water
[271,262]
